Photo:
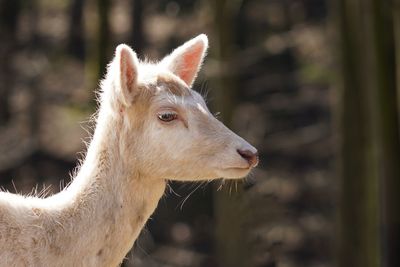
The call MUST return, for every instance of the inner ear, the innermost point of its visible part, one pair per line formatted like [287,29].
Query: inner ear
[185,61]
[191,61]
[128,73]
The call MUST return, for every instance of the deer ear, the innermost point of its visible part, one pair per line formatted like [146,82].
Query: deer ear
[185,61]
[127,63]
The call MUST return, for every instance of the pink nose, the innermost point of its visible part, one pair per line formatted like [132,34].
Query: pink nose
[251,157]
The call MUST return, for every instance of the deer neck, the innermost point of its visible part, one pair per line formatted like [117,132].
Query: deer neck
[111,201]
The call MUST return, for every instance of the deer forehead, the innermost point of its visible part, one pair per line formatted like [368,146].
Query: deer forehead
[171,84]
[170,91]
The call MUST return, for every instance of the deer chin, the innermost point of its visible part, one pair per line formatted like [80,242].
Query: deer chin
[234,172]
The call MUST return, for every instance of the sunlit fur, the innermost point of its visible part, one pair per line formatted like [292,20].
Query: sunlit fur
[96,219]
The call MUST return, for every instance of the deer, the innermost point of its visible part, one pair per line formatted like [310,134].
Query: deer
[151,127]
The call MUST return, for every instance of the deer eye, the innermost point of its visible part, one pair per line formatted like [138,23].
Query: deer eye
[167,116]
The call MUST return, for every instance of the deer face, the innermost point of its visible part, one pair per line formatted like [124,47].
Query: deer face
[174,135]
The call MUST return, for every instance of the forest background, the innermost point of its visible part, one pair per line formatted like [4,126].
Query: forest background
[313,84]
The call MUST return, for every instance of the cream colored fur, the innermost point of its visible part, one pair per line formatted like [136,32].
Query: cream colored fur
[95,221]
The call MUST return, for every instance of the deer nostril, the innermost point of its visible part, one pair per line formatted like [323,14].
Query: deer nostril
[251,157]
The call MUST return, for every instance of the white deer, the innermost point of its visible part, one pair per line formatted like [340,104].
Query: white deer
[151,127]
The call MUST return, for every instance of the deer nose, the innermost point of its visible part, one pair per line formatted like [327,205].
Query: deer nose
[250,156]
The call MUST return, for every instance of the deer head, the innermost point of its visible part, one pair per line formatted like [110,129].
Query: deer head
[166,130]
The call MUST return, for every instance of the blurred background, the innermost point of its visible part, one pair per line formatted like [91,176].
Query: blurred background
[310,83]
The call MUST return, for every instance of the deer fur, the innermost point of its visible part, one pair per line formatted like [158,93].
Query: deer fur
[150,128]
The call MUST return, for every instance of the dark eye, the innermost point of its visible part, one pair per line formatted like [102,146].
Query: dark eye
[167,116]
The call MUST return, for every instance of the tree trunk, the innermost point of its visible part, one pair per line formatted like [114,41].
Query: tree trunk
[9,14]
[138,40]
[76,42]
[103,41]
[98,46]
[386,123]
[230,236]
[370,147]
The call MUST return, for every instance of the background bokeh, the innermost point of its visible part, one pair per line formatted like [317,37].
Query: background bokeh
[310,83]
